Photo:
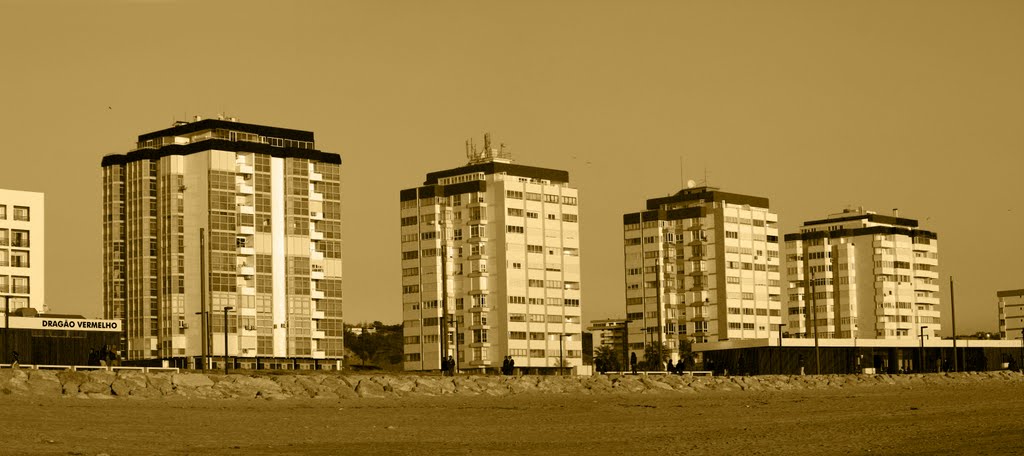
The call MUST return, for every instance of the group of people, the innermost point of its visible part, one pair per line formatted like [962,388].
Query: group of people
[448,366]
[508,366]
[103,356]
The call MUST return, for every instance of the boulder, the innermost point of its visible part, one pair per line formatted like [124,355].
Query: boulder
[368,388]
[190,381]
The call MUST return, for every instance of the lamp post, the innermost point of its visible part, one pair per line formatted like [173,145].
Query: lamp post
[952,307]
[226,309]
[561,355]
[922,347]
[814,319]
[779,351]
[7,327]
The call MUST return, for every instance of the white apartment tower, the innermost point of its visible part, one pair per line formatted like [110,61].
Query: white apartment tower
[702,265]
[491,266]
[1011,314]
[22,250]
[216,214]
[858,274]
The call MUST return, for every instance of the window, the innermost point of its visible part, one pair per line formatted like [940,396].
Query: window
[513,194]
[408,289]
[572,218]
[406,221]
[533,196]
[532,215]
[412,255]
[19,285]
[534,249]
[3,212]
[536,283]
[514,212]
[569,200]
[21,213]
[514,229]
[19,238]
[517,335]
[19,259]
[536,335]
[551,199]
[517,318]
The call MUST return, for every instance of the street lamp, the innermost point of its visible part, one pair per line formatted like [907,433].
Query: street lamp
[922,347]
[779,351]
[226,309]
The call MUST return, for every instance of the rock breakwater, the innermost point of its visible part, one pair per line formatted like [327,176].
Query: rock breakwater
[190,385]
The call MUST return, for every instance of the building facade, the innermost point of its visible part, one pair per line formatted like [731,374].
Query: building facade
[216,214]
[703,265]
[608,333]
[858,274]
[1011,314]
[22,251]
[491,266]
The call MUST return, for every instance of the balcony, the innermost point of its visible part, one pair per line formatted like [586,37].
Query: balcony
[319,354]
[248,291]
[317,315]
[246,209]
[316,275]
[247,270]
[245,189]
[316,294]
[315,177]
[245,169]
[316,256]
[316,235]
[314,196]
[316,215]
[246,230]
[246,251]
[317,334]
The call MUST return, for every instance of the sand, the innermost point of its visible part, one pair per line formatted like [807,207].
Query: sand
[984,418]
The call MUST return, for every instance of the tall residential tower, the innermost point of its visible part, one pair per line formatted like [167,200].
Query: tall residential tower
[491,267]
[216,214]
[701,265]
[858,274]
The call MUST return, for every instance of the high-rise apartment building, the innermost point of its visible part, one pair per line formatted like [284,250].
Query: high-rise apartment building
[858,274]
[702,265]
[491,266]
[216,214]
[22,249]
[1011,314]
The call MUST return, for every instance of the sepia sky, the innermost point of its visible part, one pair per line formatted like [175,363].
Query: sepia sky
[817,105]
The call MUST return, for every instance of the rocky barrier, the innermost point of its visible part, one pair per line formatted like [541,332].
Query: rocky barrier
[137,385]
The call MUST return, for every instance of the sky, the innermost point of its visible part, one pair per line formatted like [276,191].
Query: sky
[818,105]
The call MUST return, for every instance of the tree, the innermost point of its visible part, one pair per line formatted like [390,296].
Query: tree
[651,356]
[608,357]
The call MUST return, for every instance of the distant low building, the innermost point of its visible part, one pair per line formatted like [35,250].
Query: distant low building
[1011,314]
[609,332]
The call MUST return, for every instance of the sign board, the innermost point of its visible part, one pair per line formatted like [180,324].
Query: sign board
[65,324]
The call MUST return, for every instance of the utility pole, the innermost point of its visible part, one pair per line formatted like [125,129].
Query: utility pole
[814,319]
[952,307]
[922,348]
[202,293]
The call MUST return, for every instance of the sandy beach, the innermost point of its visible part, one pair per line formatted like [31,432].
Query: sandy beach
[889,419]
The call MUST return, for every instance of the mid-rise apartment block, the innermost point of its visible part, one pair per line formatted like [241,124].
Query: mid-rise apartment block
[703,265]
[491,266]
[22,249]
[1011,314]
[608,333]
[858,274]
[216,215]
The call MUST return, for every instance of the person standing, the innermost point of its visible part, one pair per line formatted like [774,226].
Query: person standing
[444,366]
[451,366]
[671,367]
[632,362]
[504,366]
[511,365]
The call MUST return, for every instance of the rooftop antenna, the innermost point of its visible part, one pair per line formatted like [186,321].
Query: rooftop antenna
[706,175]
